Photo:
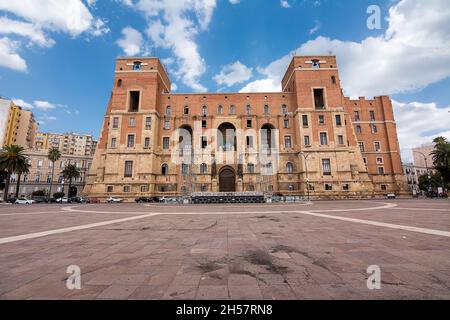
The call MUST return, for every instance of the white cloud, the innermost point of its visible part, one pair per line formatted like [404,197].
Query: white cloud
[174,25]
[315,28]
[23,104]
[234,1]
[9,58]
[131,42]
[44,105]
[413,53]
[284,4]
[173,87]
[35,18]
[419,123]
[233,73]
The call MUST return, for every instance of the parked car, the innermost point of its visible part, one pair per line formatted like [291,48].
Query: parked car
[147,199]
[77,200]
[114,200]
[11,200]
[62,200]
[24,201]
[391,196]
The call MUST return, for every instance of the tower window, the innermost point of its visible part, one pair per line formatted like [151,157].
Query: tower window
[219,110]
[186,110]
[338,120]
[315,64]
[305,120]
[319,99]
[204,124]
[134,101]
[119,82]
[232,109]
[164,169]
[137,66]
[333,79]
[266,109]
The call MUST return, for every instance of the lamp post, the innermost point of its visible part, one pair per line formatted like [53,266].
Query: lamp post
[305,156]
[430,188]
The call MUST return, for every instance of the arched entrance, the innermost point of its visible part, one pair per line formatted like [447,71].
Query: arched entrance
[227,180]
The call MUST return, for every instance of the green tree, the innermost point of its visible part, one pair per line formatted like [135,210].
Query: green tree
[70,172]
[22,168]
[53,155]
[441,158]
[436,181]
[12,157]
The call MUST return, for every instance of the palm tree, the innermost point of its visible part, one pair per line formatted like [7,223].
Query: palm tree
[53,156]
[12,157]
[70,172]
[441,158]
[22,168]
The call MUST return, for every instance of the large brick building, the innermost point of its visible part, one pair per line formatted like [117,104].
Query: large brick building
[154,142]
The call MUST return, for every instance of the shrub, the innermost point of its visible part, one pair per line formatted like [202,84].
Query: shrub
[58,195]
[38,193]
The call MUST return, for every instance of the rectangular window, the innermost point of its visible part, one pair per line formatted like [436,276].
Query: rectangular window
[132,122]
[346,187]
[307,141]
[134,101]
[126,189]
[357,118]
[130,141]
[144,188]
[358,129]
[286,123]
[372,115]
[377,146]
[148,123]
[341,140]
[380,161]
[249,123]
[166,125]
[338,120]
[204,141]
[326,167]
[109,189]
[37,179]
[362,147]
[40,163]
[380,170]
[61,164]
[319,100]
[323,139]
[287,142]
[115,123]
[383,187]
[128,169]
[251,168]
[204,124]
[166,143]
[305,120]
[147,142]
[373,128]
[321,119]
[328,187]
[49,179]
[113,142]
[249,141]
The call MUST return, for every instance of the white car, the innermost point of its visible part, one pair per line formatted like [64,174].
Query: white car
[62,200]
[24,201]
[114,200]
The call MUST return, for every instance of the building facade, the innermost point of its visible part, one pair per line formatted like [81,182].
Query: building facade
[309,136]
[17,126]
[413,173]
[40,174]
[422,156]
[67,143]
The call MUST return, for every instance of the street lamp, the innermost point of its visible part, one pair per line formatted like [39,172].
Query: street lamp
[430,188]
[305,156]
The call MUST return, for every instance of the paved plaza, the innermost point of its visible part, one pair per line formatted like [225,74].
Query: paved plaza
[275,251]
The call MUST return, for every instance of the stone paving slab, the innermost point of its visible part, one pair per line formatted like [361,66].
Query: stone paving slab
[200,252]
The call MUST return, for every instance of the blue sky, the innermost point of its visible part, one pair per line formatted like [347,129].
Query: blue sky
[57,57]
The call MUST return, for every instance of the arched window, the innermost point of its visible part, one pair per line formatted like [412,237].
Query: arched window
[203,168]
[164,169]
[250,168]
[168,111]
[137,66]
[204,110]
[119,82]
[248,109]
[289,168]
[220,110]
[186,110]
[284,109]
[266,109]
[232,109]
